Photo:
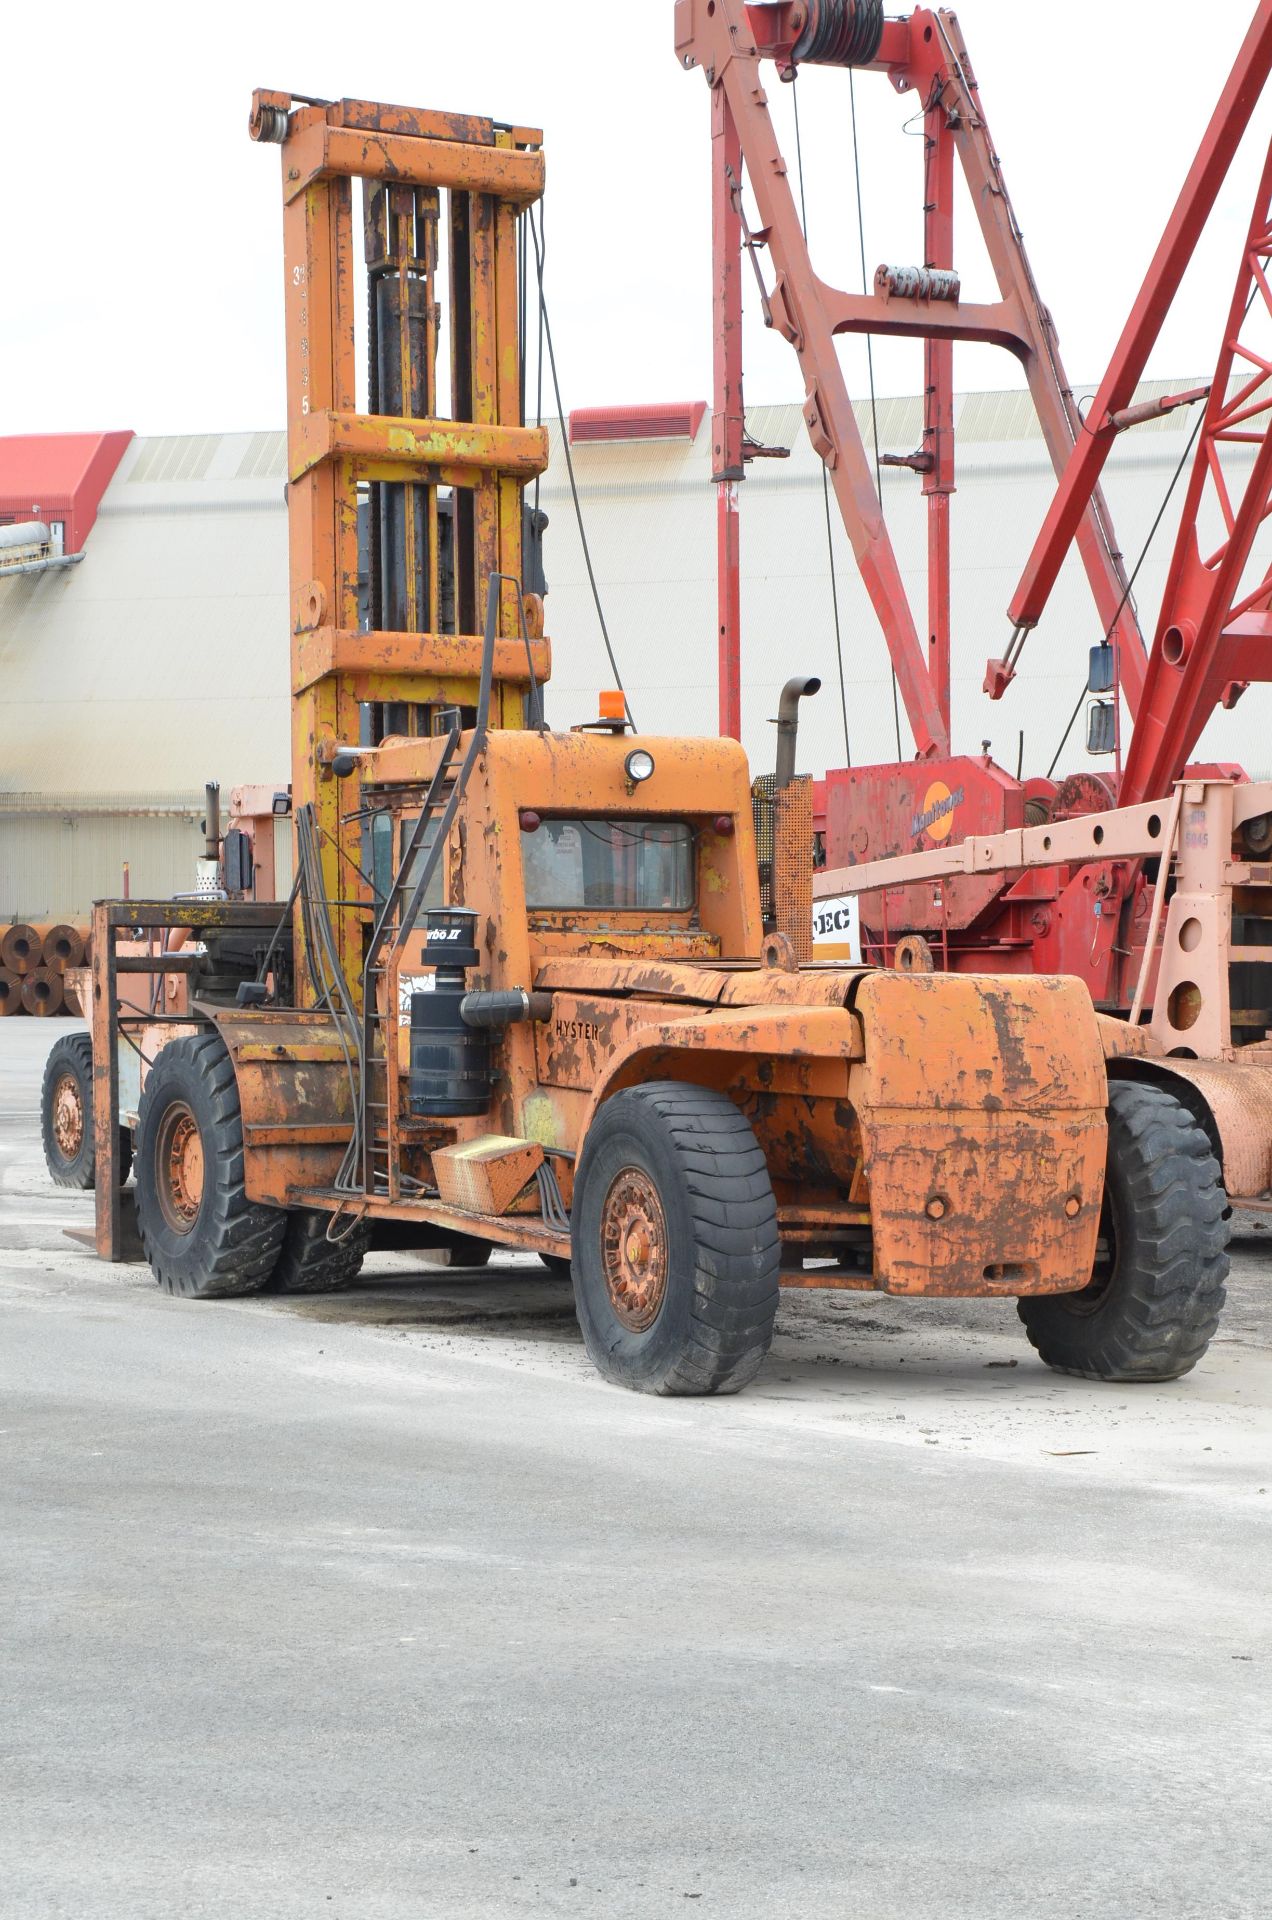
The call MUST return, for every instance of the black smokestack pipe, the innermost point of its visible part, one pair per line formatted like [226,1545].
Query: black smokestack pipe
[800,688]
[212,820]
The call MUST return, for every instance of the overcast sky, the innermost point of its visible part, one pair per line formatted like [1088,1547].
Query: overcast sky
[143,229]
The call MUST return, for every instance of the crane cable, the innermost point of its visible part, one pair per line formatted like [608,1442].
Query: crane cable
[1098,505]
[874,405]
[825,477]
[1152,534]
[538,236]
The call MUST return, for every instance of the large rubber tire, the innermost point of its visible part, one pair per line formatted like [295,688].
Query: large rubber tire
[557,1265]
[699,1317]
[66,1116]
[308,1262]
[1154,1303]
[227,1244]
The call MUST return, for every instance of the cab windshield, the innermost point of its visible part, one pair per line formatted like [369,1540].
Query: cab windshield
[627,866]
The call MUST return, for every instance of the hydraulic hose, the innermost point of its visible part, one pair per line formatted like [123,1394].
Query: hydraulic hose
[504,1007]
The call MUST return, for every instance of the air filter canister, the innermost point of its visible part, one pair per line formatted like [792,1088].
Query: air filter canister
[450,1073]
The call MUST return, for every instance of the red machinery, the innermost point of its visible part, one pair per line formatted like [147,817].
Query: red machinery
[1087,918]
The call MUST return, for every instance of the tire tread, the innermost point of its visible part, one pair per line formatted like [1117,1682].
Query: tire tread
[72,1049]
[308,1262]
[1167,1295]
[737,1243]
[241,1247]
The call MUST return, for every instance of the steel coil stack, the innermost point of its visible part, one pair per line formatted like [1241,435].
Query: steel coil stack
[33,963]
[21,948]
[63,948]
[42,992]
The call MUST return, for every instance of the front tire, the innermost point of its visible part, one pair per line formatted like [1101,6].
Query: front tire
[203,1237]
[66,1116]
[676,1251]
[1154,1302]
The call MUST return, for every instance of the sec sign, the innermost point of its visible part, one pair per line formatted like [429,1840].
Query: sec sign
[837,929]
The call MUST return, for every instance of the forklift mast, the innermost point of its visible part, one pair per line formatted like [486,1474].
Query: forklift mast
[428,455]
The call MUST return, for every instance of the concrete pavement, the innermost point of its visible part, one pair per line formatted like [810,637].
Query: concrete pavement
[383,1605]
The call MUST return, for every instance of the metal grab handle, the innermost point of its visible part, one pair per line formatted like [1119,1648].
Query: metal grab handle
[480,728]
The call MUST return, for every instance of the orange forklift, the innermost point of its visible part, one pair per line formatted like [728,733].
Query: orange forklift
[526,992]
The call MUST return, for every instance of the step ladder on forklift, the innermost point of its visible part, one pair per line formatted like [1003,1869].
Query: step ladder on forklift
[404,902]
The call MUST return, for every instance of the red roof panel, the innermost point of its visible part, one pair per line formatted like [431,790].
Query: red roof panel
[58,476]
[675,420]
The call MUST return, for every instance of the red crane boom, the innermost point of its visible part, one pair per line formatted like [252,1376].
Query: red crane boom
[1215,624]
[924,55]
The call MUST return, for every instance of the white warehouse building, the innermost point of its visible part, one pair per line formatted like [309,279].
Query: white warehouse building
[150,653]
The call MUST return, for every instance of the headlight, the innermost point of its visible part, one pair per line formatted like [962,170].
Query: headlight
[638,765]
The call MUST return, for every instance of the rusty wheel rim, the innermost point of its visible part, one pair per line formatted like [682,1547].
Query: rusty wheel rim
[179,1168]
[1091,1298]
[68,1116]
[634,1249]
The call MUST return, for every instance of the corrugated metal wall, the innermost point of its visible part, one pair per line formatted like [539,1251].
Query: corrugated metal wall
[650,515]
[60,852]
[165,655]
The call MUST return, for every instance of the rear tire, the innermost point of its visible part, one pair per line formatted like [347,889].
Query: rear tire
[557,1265]
[309,1262]
[467,1251]
[1155,1300]
[66,1116]
[203,1237]
[676,1252]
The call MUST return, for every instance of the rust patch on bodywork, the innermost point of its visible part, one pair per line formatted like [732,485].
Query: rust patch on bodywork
[295,1097]
[1003,1194]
